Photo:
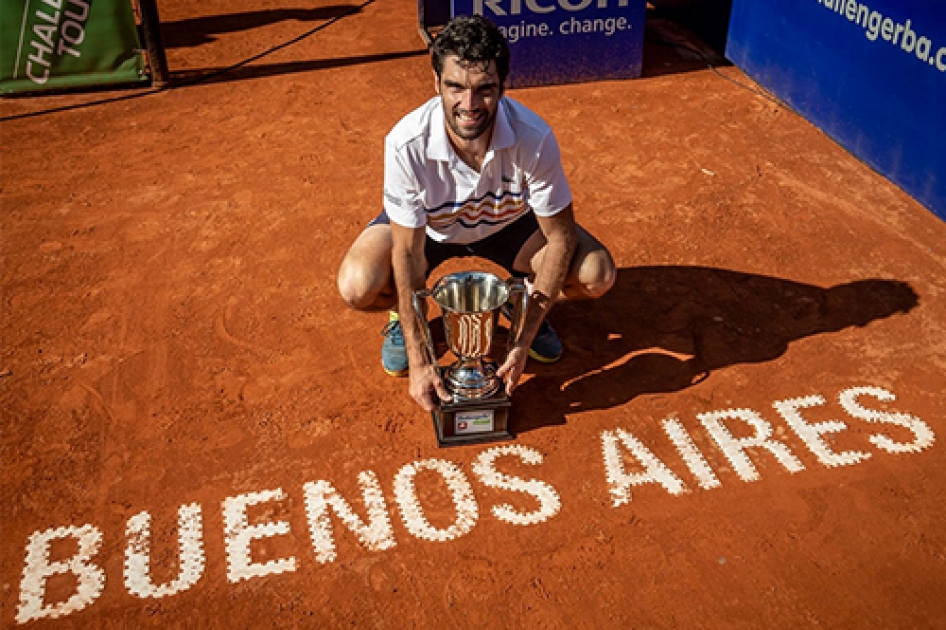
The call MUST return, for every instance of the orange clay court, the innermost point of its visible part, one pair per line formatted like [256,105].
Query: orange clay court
[748,431]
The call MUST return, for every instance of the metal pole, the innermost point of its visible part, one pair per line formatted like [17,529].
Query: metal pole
[422,23]
[151,29]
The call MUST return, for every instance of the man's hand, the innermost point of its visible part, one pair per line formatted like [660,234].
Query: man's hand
[512,368]
[427,387]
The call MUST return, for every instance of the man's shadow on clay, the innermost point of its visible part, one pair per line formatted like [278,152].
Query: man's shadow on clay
[663,329]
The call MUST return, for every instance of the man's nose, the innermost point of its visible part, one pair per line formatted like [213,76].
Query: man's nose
[469,100]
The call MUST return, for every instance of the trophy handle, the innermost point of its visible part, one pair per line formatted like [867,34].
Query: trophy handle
[419,298]
[519,297]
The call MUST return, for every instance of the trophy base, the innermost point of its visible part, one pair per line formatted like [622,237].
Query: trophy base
[473,422]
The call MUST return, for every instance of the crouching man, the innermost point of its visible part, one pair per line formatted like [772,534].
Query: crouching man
[471,173]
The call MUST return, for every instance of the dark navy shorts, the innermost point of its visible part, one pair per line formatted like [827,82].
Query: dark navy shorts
[500,248]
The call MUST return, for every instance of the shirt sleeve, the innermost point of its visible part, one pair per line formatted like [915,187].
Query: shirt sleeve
[549,192]
[403,198]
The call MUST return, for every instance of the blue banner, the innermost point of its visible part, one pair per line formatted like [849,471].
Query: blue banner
[872,75]
[566,41]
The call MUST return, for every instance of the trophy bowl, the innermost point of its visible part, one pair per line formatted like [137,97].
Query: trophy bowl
[470,303]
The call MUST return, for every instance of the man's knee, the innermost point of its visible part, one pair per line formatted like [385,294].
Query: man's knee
[359,287]
[595,275]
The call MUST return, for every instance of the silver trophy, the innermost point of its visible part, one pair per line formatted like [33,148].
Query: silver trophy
[470,303]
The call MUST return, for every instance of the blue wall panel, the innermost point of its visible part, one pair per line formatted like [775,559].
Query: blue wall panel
[566,41]
[872,75]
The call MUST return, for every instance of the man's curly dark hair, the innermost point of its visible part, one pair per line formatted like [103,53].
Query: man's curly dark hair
[475,40]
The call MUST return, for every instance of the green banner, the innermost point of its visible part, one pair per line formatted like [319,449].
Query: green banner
[55,44]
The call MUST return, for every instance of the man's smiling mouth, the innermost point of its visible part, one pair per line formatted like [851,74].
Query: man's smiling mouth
[469,118]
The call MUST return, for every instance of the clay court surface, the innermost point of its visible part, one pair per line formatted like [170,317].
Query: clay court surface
[172,337]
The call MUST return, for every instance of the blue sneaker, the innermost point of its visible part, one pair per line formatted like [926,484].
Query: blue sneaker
[546,347]
[393,353]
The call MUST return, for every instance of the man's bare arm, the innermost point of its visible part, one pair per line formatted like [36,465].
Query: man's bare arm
[409,266]
[551,269]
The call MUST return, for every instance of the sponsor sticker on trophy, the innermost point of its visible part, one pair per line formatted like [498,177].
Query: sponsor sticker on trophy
[474,421]
[470,303]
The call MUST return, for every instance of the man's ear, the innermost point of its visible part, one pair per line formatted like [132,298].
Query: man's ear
[436,81]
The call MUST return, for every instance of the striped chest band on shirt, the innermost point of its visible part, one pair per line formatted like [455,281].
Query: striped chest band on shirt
[490,209]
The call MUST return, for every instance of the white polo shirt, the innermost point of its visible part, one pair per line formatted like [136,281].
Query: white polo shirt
[427,184]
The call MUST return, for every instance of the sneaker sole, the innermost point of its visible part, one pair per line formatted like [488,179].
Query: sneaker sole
[543,359]
[394,372]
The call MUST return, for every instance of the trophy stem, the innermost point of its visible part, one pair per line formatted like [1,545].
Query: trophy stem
[472,379]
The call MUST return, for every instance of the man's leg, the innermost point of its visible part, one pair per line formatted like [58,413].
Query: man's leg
[591,273]
[365,279]
[366,283]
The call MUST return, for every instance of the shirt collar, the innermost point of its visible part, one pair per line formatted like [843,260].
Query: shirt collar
[503,135]
[439,147]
